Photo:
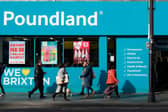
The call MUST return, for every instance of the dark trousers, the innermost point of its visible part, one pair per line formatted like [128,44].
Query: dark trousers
[38,85]
[62,91]
[110,88]
[89,88]
[2,89]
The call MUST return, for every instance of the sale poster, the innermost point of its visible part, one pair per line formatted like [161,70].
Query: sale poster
[49,52]
[16,52]
[81,51]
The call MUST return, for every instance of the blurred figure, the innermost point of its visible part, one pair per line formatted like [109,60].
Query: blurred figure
[2,68]
[88,77]
[62,82]
[38,79]
[112,82]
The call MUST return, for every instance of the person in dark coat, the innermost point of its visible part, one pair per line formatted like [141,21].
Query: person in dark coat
[88,77]
[2,68]
[38,78]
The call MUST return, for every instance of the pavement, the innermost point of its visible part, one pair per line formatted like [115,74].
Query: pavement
[20,100]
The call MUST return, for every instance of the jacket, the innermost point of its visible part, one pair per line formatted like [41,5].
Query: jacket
[111,78]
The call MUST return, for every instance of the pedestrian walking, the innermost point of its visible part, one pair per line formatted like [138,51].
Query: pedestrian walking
[2,68]
[88,77]
[62,82]
[38,79]
[112,83]
[83,84]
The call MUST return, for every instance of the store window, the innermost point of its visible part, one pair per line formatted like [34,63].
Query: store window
[111,52]
[49,51]
[17,51]
[79,49]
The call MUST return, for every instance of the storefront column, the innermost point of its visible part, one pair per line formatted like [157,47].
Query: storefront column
[103,54]
[102,63]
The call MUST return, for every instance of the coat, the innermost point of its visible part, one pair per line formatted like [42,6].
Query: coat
[111,79]
[87,75]
[2,68]
[39,74]
[61,73]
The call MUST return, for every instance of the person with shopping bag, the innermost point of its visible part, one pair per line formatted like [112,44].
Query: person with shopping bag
[62,80]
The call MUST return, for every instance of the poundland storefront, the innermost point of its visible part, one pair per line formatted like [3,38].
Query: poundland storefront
[103,33]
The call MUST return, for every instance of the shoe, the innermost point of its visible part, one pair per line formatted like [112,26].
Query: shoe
[29,95]
[42,97]
[67,99]
[118,96]
[2,94]
[82,93]
[53,97]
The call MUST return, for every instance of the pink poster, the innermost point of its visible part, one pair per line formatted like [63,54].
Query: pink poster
[81,51]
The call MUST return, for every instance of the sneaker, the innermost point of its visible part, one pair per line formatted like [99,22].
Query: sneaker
[82,93]
[2,94]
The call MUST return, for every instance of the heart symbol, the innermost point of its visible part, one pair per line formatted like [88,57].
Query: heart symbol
[25,72]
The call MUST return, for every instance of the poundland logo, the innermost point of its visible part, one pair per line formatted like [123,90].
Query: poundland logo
[57,19]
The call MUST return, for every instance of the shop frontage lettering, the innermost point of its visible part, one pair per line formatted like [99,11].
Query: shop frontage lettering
[58,19]
[18,77]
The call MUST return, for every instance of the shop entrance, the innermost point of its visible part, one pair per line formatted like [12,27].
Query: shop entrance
[111,52]
[160,64]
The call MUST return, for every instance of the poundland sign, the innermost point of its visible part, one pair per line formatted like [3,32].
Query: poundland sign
[73,18]
[57,19]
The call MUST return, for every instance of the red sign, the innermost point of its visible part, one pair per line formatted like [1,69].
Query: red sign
[16,52]
[81,51]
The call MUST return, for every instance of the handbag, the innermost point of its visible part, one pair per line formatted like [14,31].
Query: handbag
[59,80]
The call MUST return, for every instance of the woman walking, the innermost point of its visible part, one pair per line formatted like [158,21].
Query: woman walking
[62,82]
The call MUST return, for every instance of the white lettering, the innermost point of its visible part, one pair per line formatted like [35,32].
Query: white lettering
[31,23]
[92,20]
[78,20]
[40,17]
[46,81]
[21,18]
[59,18]
[13,81]
[8,15]
[8,72]
[6,81]
[56,19]
[17,72]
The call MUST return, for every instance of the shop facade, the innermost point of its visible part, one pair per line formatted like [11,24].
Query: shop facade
[104,33]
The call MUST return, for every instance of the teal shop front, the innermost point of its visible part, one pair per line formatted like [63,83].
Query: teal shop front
[66,22]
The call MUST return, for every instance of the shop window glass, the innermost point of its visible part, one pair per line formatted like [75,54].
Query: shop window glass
[17,51]
[79,49]
[49,51]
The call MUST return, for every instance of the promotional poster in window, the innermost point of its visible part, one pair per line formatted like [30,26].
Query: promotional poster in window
[16,52]
[49,52]
[81,51]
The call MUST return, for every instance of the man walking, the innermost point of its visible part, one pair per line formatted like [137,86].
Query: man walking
[2,68]
[38,78]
